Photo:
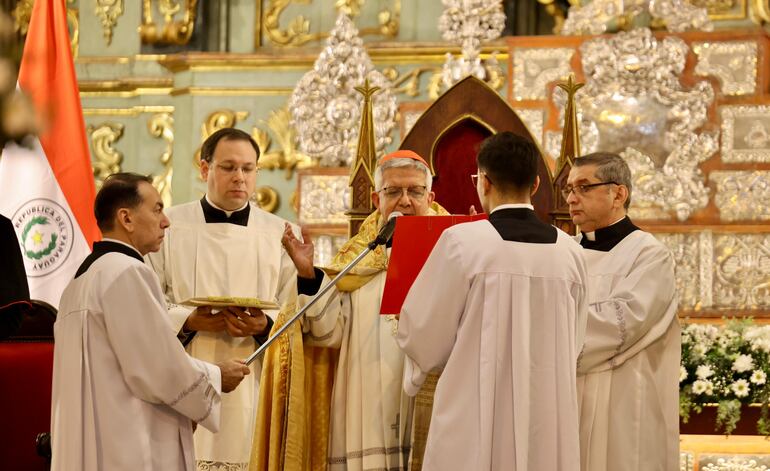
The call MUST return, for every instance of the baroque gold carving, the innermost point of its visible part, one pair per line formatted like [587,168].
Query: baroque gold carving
[21,16]
[297,31]
[73,23]
[172,32]
[288,157]
[161,126]
[267,198]
[409,82]
[108,12]
[106,159]
[760,11]
[215,121]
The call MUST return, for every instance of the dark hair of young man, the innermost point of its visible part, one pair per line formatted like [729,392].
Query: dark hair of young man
[119,190]
[228,134]
[509,161]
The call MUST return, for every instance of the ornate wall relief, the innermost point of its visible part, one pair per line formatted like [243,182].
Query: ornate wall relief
[734,463]
[734,63]
[105,159]
[297,31]
[326,109]
[470,23]
[599,16]
[685,247]
[161,126]
[742,270]
[534,68]
[640,109]
[533,119]
[108,12]
[171,31]
[722,271]
[742,196]
[324,199]
[745,134]
[287,157]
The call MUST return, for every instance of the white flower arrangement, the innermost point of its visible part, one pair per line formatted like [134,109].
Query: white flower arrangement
[726,365]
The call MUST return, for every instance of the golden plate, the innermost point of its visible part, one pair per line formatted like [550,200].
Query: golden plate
[224,301]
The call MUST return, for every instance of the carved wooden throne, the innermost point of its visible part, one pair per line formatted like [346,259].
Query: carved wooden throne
[448,135]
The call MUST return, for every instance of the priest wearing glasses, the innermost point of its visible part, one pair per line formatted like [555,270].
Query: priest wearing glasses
[628,371]
[225,245]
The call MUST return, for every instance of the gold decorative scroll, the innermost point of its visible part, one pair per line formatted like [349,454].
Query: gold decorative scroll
[556,12]
[108,12]
[171,32]
[21,16]
[73,23]
[217,120]
[161,126]
[409,82]
[267,198]
[106,159]
[351,7]
[288,157]
[297,31]
[760,11]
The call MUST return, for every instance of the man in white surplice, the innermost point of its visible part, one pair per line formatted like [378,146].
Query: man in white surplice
[500,306]
[224,245]
[628,373]
[125,393]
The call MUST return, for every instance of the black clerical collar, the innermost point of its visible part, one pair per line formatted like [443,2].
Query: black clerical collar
[103,248]
[216,215]
[606,238]
[522,225]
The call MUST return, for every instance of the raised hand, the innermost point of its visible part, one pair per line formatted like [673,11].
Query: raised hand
[301,253]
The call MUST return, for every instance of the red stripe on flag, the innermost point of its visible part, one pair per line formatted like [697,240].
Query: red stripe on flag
[47,75]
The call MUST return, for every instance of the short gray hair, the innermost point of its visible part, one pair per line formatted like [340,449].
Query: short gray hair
[402,163]
[609,168]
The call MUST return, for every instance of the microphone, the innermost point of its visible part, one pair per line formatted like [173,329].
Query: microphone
[386,232]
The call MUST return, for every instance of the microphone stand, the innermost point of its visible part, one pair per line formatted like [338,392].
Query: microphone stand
[371,246]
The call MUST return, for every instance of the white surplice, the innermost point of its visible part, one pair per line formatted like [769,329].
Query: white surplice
[124,389]
[628,374]
[505,321]
[369,427]
[221,259]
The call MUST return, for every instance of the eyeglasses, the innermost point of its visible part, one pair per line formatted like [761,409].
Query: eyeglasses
[475,178]
[413,192]
[231,169]
[581,190]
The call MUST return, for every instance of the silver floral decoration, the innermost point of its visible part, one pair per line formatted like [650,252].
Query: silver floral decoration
[470,23]
[326,109]
[597,16]
[736,463]
[634,103]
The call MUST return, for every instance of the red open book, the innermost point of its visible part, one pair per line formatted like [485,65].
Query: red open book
[413,241]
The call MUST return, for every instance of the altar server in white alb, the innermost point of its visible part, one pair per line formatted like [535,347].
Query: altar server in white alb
[500,306]
[224,245]
[125,393]
[628,373]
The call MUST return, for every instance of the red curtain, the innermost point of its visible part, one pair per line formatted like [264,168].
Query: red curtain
[454,161]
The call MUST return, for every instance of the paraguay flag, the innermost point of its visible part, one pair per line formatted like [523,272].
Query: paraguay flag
[48,191]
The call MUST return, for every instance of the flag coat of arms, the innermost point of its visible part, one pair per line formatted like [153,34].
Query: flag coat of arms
[48,187]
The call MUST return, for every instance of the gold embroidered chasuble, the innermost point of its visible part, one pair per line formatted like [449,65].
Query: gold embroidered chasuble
[293,415]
